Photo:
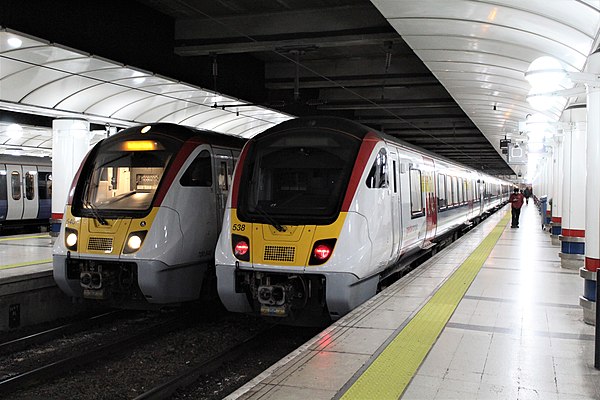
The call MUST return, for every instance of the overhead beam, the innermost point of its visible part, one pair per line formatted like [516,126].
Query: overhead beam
[325,27]
[284,45]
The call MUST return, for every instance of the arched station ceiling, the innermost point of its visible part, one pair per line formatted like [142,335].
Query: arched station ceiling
[47,79]
[446,75]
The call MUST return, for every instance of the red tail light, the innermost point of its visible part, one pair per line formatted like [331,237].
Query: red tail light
[322,251]
[241,247]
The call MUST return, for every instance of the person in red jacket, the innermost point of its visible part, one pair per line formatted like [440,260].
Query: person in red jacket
[516,202]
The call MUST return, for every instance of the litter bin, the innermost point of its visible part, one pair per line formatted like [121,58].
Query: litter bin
[543,209]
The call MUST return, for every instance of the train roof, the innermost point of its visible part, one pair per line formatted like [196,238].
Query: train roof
[359,131]
[25,160]
[182,133]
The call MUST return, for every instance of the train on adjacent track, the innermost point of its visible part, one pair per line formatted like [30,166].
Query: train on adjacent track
[25,191]
[143,216]
[322,209]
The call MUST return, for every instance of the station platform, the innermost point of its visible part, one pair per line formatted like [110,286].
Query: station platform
[492,316]
[28,293]
[25,254]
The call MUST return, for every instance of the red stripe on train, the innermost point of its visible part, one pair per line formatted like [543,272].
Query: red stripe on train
[366,148]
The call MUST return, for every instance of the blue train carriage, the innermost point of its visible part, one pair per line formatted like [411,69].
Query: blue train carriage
[25,191]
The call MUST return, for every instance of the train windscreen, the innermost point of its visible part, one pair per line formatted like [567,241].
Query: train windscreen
[297,177]
[123,176]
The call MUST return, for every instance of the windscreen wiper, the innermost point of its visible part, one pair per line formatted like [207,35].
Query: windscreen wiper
[95,213]
[270,219]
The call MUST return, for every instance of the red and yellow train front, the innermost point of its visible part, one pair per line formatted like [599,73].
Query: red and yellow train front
[287,221]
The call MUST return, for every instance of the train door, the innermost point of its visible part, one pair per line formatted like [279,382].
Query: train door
[409,226]
[14,176]
[396,204]
[481,195]
[428,185]
[3,193]
[44,179]
[223,165]
[30,192]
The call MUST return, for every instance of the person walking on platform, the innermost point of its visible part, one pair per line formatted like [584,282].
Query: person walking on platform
[516,202]
[527,193]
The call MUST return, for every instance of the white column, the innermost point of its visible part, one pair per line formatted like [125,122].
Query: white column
[573,198]
[70,144]
[557,189]
[592,205]
[592,209]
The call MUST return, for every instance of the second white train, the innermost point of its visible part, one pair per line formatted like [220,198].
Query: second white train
[321,209]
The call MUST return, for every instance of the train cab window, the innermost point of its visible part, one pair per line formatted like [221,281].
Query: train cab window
[199,173]
[378,176]
[416,195]
[441,192]
[30,185]
[15,184]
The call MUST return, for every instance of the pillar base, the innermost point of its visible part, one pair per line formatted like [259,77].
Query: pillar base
[571,261]
[589,310]
[555,240]
[588,300]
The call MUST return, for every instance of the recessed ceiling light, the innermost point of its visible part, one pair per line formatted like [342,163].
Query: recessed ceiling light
[14,42]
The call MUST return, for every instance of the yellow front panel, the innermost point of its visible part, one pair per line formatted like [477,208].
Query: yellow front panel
[290,248]
[95,238]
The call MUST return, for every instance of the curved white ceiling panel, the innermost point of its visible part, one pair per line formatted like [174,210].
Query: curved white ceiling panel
[480,50]
[51,80]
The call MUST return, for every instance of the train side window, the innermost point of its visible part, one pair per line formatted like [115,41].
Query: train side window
[442,199]
[449,194]
[223,177]
[395,172]
[15,183]
[199,173]
[461,197]
[378,176]
[416,196]
[454,191]
[29,185]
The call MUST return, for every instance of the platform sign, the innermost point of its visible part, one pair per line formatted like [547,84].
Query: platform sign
[516,154]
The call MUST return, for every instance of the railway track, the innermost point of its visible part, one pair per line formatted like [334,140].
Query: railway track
[62,366]
[184,379]
[32,339]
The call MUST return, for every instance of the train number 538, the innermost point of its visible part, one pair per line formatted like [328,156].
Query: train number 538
[238,227]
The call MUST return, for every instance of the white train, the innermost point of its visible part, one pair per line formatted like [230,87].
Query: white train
[25,191]
[323,208]
[143,216]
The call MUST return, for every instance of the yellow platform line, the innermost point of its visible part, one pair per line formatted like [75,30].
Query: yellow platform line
[26,264]
[25,237]
[389,375]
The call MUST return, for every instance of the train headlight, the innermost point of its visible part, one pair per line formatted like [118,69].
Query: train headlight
[71,239]
[134,242]
[322,250]
[241,247]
